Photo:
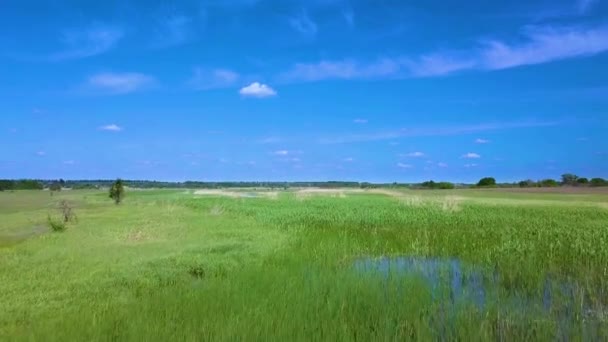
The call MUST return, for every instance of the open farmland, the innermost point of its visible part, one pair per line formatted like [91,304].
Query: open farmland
[305,265]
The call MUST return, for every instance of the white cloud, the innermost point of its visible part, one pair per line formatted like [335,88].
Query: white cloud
[404,166]
[433,131]
[437,65]
[88,42]
[414,155]
[470,165]
[545,44]
[345,70]
[211,79]
[69,162]
[41,153]
[360,121]
[258,90]
[348,160]
[442,165]
[303,24]
[482,141]
[112,128]
[471,155]
[538,44]
[119,83]
[281,152]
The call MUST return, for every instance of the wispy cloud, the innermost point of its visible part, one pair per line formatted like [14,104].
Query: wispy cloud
[469,165]
[41,153]
[482,141]
[585,5]
[437,65]
[89,42]
[174,30]
[405,166]
[348,160]
[360,121]
[281,152]
[69,162]
[537,44]
[545,44]
[413,155]
[119,83]
[258,90]
[349,17]
[443,165]
[269,140]
[211,79]
[111,128]
[471,155]
[434,131]
[345,70]
[303,24]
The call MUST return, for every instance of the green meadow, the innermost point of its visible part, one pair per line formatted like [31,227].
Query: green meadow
[263,265]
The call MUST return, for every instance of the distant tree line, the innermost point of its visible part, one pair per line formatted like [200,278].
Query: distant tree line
[436,185]
[567,179]
[57,185]
[21,184]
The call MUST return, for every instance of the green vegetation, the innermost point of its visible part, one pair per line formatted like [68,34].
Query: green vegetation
[117,191]
[487,182]
[171,265]
[437,185]
[598,182]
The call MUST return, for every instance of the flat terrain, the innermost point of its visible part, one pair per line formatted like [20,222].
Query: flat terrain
[283,265]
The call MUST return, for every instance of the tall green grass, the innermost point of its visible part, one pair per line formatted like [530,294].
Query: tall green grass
[172,266]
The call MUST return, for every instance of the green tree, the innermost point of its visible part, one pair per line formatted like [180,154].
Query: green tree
[55,186]
[117,191]
[582,181]
[549,183]
[527,183]
[598,182]
[569,179]
[6,184]
[487,181]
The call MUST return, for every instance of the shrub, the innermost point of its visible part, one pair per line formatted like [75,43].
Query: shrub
[55,224]
[117,191]
[60,224]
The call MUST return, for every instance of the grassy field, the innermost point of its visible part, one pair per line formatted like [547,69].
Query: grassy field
[177,265]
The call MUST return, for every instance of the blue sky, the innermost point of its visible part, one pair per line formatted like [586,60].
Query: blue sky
[303,90]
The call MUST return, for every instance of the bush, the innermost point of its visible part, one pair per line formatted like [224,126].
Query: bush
[117,191]
[487,181]
[67,215]
[56,225]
